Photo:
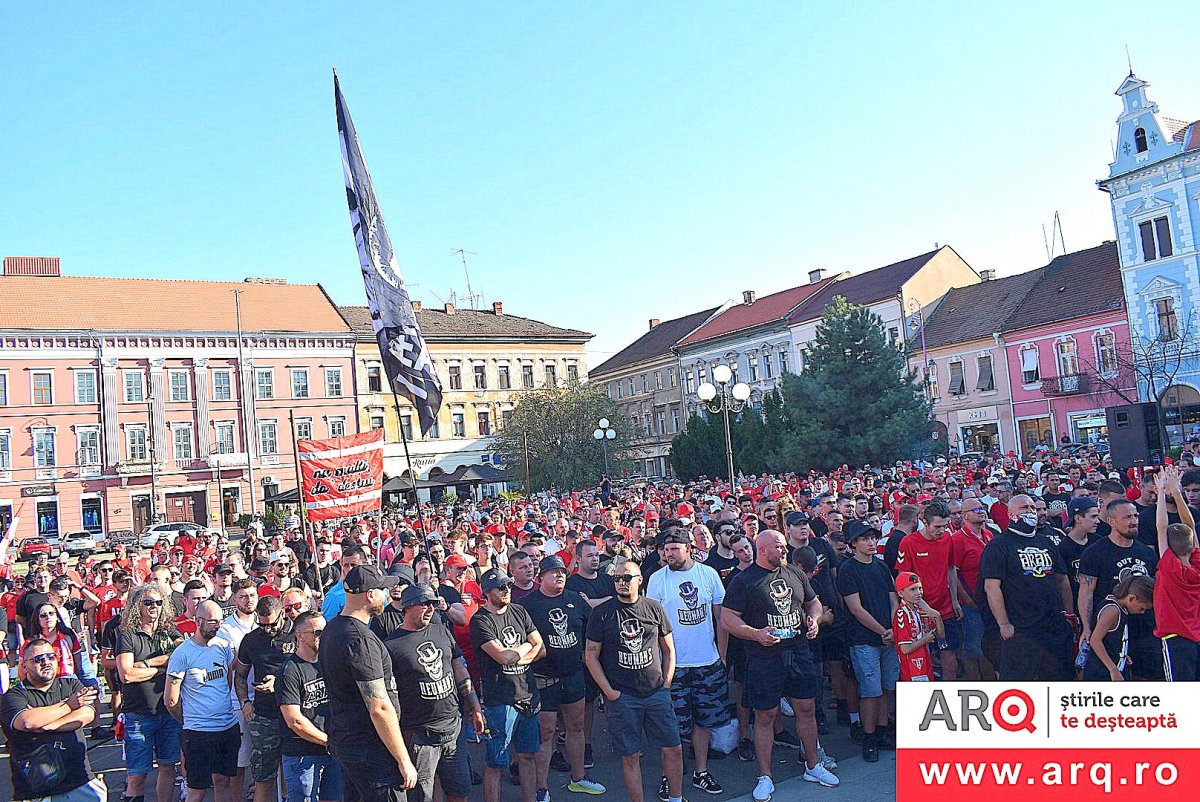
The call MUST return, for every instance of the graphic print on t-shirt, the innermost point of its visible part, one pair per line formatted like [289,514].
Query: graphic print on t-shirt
[696,613]
[634,653]
[314,695]
[511,638]
[563,637]
[1035,561]
[203,677]
[439,684]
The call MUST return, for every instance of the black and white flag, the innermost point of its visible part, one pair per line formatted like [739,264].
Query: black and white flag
[405,357]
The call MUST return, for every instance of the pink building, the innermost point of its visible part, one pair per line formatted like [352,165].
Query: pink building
[1067,349]
[123,401]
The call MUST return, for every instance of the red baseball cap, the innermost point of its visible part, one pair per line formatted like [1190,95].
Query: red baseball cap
[906,579]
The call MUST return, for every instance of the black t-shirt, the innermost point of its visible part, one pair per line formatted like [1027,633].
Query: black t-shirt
[722,565]
[1109,564]
[227,606]
[873,583]
[891,549]
[27,607]
[599,587]
[826,557]
[1147,526]
[504,685]
[562,622]
[423,664]
[300,548]
[266,656]
[20,698]
[628,635]
[1027,568]
[108,634]
[322,578]
[773,599]
[146,697]
[387,622]
[1070,551]
[1056,505]
[299,682]
[351,653]
[520,593]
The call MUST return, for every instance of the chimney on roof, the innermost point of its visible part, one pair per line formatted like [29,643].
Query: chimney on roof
[748,297]
[987,275]
[47,266]
[497,308]
[654,322]
[815,276]
[416,306]
[449,309]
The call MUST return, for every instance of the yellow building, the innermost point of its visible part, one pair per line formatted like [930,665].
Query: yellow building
[486,360]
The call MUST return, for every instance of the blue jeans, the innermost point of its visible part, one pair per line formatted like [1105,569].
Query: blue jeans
[149,738]
[311,777]
[876,668]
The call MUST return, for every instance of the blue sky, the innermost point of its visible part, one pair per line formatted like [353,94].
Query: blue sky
[608,162]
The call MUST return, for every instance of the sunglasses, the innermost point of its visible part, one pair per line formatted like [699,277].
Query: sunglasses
[152,602]
[292,607]
[42,659]
[626,577]
[316,633]
[48,615]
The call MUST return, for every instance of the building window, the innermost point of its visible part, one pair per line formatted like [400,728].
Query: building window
[268,437]
[337,427]
[484,421]
[265,382]
[1068,359]
[85,387]
[1156,239]
[406,426]
[333,382]
[455,377]
[645,384]
[376,422]
[674,419]
[506,416]
[1168,320]
[931,380]
[552,376]
[135,444]
[689,383]
[181,388]
[783,362]
[299,383]
[1030,372]
[222,385]
[766,366]
[5,450]
[434,432]
[43,388]
[1139,140]
[181,439]
[660,420]
[987,380]
[89,447]
[573,374]
[303,428]
[527,376]
[458,427]
[225,444]
[658,382]
[893,336]
[503,378]
[374,379]
[3,389]
[620,390]
[673,378]
[958,383]
[1106,354]
[752,368]
[480,372]
[135,386]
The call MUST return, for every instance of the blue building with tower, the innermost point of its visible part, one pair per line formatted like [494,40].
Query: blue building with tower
[1154,188]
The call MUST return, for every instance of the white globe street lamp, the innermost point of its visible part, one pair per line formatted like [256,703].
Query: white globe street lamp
[604,432]
[720,397]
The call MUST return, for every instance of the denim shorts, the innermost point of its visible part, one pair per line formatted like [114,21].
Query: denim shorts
[972,633]
[150,738]
[630,716]
[507,727]
[954,632]
[877,668]
[558,691]
[312,777]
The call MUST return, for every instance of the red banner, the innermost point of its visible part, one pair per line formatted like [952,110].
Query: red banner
[342,476]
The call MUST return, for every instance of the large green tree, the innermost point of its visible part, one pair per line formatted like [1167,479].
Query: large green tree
[699,450]
[856,401]
[554,427]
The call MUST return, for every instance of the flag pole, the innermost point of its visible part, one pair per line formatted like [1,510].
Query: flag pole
[311,537]
[412,477]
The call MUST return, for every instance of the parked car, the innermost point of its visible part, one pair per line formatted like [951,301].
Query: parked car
[34,545]
[126,537]
[79,544]
[171,532]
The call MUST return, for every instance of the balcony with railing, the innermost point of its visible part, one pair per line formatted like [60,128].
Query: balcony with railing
[1071,384]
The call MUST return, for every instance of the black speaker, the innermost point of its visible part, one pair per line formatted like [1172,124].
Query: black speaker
[1135,435]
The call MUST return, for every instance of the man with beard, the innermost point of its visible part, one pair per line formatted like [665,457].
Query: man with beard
[1027,591]
[308,770]
[264,650]
[1105,563]
[561,615]
[691,594]
[588,580]
[392,617]
[364,723]
[322,573]
[769,599]
[621,657]
[721,559]
[197,693]
[435,692]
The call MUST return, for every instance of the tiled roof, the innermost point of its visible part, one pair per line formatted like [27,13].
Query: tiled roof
[1175,128]
[438,324]
[138,304]
[865,288]
[654,343]
[975,311]
[1072,286]
[743,316]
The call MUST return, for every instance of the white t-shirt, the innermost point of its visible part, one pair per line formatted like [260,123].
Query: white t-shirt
[688,596]
[205,691]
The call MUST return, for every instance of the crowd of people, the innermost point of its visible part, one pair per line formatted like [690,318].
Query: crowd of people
[360,661]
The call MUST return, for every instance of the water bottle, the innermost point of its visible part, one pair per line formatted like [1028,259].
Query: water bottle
[1081,659]
[784,633]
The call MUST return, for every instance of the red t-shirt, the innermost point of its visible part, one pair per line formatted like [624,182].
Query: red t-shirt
[187,543]
[930,560]
[267,589]
[108,610]
[567,556]
[1177,596]
[186,626]
[909,626]
[999,514]
[965,550]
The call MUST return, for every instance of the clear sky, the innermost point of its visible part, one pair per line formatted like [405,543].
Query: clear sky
[608,162]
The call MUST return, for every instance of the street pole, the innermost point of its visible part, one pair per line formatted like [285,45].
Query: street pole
[246,441]
[525,436]
[728,437]
[310,537]
[153,472]
[220,498]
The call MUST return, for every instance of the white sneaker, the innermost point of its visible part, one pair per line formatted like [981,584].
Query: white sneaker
[820,774]
[764,790]
[785,707]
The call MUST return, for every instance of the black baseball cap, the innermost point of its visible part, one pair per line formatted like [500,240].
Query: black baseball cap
[856,529]
[223,569]
[417,594]
[404,572]
[674,535]
[494,579]
[796,517]
[363,578]
[551,563]
[1079,506]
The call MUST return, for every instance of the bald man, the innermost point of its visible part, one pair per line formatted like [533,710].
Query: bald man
[1029,596]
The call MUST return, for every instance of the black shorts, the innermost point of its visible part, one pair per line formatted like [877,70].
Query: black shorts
[789,673]
[591,691]
[559,691]
[210,753]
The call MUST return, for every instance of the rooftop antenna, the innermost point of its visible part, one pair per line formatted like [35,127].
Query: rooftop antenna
[1054,240]
[472,297]
[1128,59]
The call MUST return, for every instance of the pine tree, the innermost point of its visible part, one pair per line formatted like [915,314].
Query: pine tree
[856,401]
[699,450]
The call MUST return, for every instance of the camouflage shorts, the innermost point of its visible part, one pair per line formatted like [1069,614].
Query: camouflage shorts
[264,763]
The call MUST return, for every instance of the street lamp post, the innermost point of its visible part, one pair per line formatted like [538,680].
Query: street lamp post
[604,432]
[153,470]
[720,397]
